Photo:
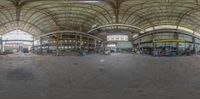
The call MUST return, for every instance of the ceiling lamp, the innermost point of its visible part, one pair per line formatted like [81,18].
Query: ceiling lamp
[89,1]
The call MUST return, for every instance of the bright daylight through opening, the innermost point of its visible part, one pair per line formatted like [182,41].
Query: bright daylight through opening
[17,41]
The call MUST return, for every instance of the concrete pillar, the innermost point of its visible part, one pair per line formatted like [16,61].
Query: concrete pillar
[88,41]
[177,43]
[57,45]
[81,42]
[4,45]
[33,46]
[1,42]
[95,45]
[48,48]
[194,44]
[76,46]
[154,45]
[41,49]
[139,41]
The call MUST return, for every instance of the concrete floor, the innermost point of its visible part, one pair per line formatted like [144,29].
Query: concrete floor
[99,77]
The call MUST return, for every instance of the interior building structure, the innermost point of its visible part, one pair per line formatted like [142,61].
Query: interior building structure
[42,44]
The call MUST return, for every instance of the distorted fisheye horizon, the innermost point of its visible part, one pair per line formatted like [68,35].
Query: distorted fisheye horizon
[99,49]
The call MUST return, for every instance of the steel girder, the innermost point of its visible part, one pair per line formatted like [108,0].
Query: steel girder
[42,16]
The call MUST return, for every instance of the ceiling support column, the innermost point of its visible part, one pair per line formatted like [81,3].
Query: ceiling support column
[154,45]
[177,43]
[81,42]
[88,43]
[76,38]
[33,46]
[41,46]
[95,45]
[194,44]
[57,45]
[1,42]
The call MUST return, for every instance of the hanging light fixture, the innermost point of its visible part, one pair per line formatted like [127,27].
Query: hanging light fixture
[89,1]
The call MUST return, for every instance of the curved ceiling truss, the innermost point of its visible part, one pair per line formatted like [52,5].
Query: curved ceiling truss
[43,16]
[68,32]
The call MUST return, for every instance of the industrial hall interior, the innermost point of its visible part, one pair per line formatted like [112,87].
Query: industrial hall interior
[99,49]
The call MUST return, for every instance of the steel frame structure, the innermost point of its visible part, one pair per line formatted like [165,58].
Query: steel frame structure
[43,16]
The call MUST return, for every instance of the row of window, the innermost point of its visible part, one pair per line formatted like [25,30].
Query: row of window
[71,41]
[65,42]
[62,47]
[197,40]
[165,36]
[117,38]
[167,44]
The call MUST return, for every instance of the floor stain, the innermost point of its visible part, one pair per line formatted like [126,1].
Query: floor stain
[20,74]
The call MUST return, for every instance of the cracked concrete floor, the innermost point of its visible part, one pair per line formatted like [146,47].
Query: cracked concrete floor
[119,76]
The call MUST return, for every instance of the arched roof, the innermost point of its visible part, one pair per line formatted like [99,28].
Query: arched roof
[44,16]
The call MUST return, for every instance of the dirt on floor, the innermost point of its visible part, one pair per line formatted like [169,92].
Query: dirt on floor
[118,76]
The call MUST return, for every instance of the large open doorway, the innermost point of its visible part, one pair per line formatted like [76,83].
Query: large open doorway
[16,41]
